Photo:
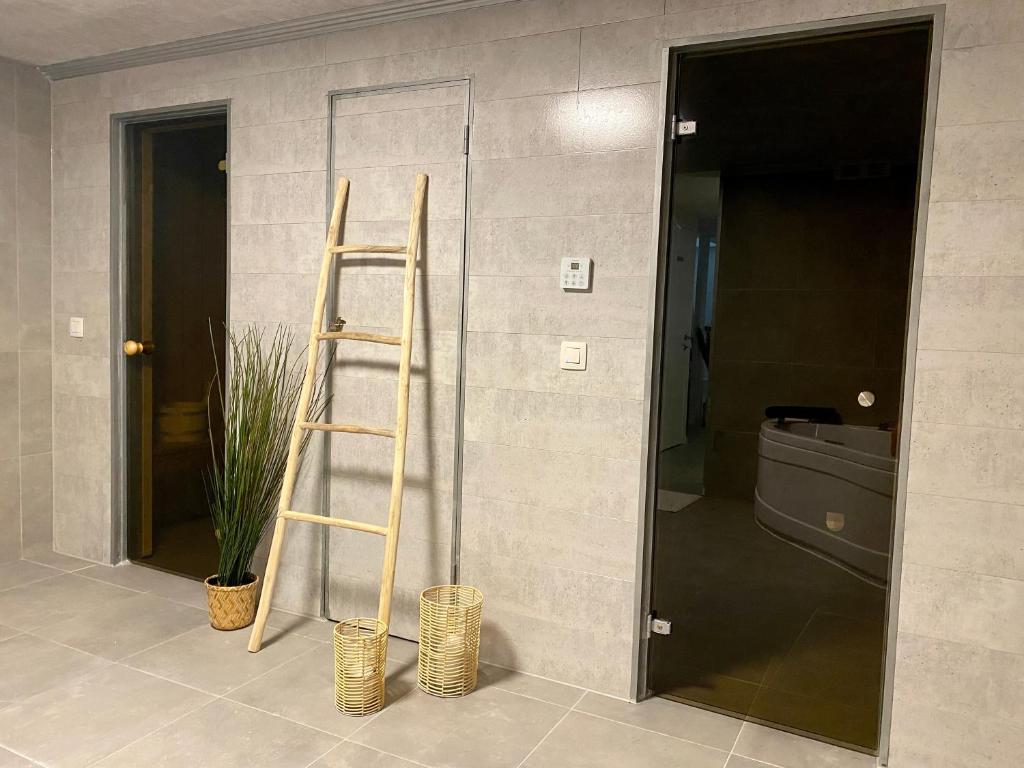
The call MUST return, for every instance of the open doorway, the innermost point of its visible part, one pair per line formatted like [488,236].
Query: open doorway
[791,213]
[174,322]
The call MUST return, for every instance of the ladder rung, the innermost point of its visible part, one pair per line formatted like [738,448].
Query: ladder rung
[337,522]
[375,338]
[370,249]
[353,428]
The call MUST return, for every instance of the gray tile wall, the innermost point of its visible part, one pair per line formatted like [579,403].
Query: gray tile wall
[25,421]
[563,162]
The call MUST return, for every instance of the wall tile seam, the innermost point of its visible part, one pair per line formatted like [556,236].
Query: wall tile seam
[578,90]
[963,571]
[213,82]
[1010,504]
[489,41]
[26,243]
[65,231]
[954,200]
[238,78]
[964,644]
[556,509]
[963,424]
[556,392]
[978,275]
[478,158]
[551,275]
[104,187]
[972,350]
[272,122]
[36,454]
[545,508]
[958,643]
[567,335]
[976,47]
[946,127]
[66,353]
[288,224]
[1009,581]
[16,147]
[311,274]
[276,174]
[566,452]
[940,127]
[321,169]
[550,565]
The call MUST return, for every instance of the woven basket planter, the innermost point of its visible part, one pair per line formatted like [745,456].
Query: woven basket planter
[231,607]
[449,639]
[360,654]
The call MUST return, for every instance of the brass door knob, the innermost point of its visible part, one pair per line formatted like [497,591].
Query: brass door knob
[132,347]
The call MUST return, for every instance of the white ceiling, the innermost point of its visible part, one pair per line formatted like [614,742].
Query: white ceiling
[49,31]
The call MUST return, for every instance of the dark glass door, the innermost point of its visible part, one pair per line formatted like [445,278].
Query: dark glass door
[175,322]
[789,262]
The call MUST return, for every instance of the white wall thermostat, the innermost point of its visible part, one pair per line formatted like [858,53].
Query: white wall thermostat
[575,274]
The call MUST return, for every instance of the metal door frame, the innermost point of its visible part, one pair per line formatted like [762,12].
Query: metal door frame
[121,187]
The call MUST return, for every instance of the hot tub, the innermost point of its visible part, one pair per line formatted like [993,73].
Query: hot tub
[828,488]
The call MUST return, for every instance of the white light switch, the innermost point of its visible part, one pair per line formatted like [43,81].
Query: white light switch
[76,327]
[574,355]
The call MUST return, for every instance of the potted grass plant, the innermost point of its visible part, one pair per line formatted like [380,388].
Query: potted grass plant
[244,480]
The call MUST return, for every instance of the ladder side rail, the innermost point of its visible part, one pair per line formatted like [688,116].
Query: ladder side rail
[387,582]
[291,467]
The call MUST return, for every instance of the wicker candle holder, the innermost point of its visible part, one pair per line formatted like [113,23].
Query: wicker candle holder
[360,653]
[449,639]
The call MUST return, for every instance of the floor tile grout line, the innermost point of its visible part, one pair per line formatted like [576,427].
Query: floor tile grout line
[543,738]
[732,749]
[410,760]
[19,754]
[157,645]
[155,676]
[35,632]
[88,564]
[151,732]
[648,730]
[112,584]
[498,687]
[34,581]
[274,668]
[278,716]
[321,756]
[124,663]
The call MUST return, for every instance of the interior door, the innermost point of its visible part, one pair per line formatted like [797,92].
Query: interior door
[382,138]
[175,312]
[770,587]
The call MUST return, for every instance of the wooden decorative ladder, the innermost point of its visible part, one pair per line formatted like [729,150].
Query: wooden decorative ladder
[317,335]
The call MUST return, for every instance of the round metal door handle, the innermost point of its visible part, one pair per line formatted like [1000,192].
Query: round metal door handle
[866,398]
[132,347]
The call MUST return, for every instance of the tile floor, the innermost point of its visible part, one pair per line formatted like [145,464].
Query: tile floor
[118,667]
